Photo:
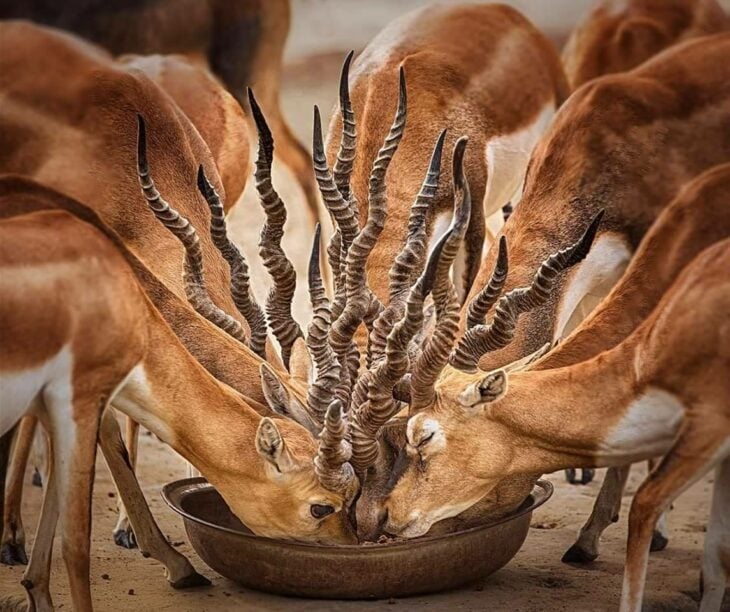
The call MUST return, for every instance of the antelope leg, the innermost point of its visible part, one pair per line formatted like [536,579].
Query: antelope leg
[178,570]
[123,533]
[12,548]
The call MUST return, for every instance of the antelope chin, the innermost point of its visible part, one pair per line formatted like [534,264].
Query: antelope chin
[414,529]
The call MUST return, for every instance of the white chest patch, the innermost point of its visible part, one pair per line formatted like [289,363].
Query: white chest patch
[136,399]
[593,279]
[648,428]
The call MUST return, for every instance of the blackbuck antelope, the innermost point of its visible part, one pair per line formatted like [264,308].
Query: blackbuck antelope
[697,218]
[240,41]
[63,276]
[90,156]
[482,71]
[664,390]
[625,143]
[618,35]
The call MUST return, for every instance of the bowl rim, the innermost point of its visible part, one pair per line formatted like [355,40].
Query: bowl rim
[541,492]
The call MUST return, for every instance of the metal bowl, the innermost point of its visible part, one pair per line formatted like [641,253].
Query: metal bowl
[394,569]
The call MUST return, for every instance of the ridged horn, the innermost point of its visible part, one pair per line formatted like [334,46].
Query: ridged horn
[240,283]
[183,230]
[409,262]
[337,205]
[379,405]
[435,355]
[281,270]
[498,334]
[331,462]
[487,297]
[327,368]
[359,299]
[348,141]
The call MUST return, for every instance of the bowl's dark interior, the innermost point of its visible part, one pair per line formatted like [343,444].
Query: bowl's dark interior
[208,505]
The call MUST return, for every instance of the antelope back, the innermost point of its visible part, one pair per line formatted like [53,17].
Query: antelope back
[481,71]
[75,130]
[618,35]
[624,143]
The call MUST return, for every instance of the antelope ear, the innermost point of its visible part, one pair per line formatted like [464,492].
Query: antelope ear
[284,403]
[271,446]
[640,38]
[300,363]
[493,386]
[487,390]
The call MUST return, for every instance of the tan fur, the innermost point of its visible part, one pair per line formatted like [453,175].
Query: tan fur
[240,41]
[624,143]
[480,71]
[541,421]
[618,35]
[80,282]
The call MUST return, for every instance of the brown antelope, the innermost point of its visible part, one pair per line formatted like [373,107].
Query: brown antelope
[264,468]
[44,137]
[618,35]
[482,71]
[625,143]
[608,148]
[662,390]
[696,219]
[240,41]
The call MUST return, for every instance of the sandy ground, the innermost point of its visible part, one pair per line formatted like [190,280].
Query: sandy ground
[535,579]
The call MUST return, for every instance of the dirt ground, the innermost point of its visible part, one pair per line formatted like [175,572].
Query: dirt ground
[535,579]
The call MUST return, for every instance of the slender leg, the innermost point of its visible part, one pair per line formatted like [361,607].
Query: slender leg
[123,532]
[37,576]
[74,454]
[691,456]
[716,560]
[605,512]
[6,442]
[660,539]
[12,548]
[179,572]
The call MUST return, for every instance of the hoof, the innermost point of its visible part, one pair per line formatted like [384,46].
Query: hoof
[658,542]
[191,581]
[615,518]
[570,476]
[587,476]
[125,538]
[13,554]
[37,480]
[576,554]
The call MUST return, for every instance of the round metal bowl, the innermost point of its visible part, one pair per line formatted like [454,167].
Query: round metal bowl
[394,569]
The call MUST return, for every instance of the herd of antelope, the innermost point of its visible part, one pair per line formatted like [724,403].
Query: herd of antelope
[452,357]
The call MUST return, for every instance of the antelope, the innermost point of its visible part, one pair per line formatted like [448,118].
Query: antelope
[624,143]
[618,35]
[697,218]
[483,71]
[241,42]
[43,135]
[663,390]
[276,481]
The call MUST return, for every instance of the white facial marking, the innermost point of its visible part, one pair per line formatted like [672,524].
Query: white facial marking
[594,277]
[648,428]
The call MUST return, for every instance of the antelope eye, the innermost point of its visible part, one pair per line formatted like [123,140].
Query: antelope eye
[426,440]
[319,511]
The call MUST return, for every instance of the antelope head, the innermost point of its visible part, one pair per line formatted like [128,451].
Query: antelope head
[455,456]
[304,483]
